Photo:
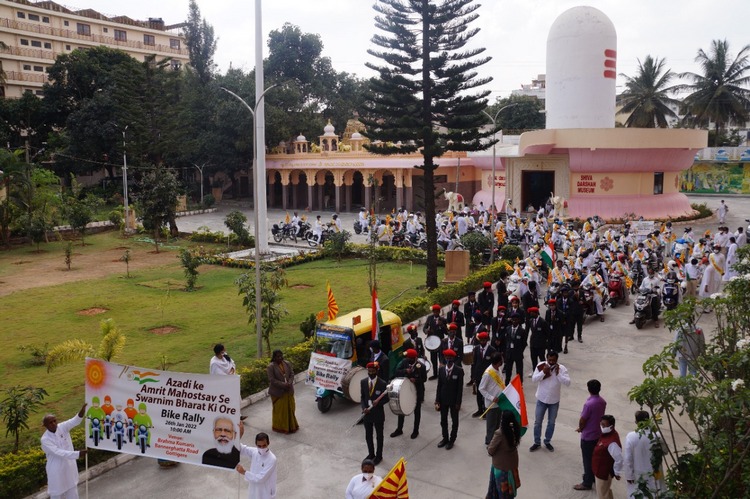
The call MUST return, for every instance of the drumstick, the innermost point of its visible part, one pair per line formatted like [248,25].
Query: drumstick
[388,387]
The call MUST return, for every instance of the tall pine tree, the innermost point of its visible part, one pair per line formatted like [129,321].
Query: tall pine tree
[422,96]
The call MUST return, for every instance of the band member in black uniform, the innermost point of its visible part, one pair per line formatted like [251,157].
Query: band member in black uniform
[455,316]
[481,360]
[413,369]
[450,387]
[435,326]
[414,341]
[371,389]
[470,309]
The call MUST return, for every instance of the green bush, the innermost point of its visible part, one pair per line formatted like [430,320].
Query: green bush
[209,201]
[511,252]
[307,326]
[475,242]
[116,216]
[336,245]
[235,221]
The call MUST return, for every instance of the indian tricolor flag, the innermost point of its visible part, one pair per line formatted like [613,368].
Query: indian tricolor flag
[512,399]
[377,318]
[549,255]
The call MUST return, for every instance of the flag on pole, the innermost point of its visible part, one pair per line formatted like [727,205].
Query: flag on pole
[512,399]
[333,308]
[549,254]
[319,316]
[377,318]
[394,485]
[287,220]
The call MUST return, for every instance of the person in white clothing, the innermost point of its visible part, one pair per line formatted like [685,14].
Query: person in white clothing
[318,229]
[550,376]
[722,211]
[491,386]
[221,363]
[362,484]
[262,473]
[638,466]
[731,259]
[62,472]
[711,282]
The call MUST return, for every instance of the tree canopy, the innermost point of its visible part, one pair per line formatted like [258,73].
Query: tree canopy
[646,96]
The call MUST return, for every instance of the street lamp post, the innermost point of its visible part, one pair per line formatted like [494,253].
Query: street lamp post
[125,180]
[200,169]
[256,217]
[493,205]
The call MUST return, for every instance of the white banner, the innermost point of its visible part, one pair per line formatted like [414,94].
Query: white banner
[643,227]
[185,417]
[327,371]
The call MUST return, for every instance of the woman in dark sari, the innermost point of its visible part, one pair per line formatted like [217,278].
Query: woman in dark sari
[281,390]
[504,477]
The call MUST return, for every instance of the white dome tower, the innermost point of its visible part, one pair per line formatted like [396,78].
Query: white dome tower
[581,70]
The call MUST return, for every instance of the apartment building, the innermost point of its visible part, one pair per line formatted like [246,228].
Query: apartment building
[35,33]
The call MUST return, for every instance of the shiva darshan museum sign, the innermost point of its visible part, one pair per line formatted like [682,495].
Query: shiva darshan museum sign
[185,417]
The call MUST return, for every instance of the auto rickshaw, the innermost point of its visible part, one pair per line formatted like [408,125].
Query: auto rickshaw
[348,337]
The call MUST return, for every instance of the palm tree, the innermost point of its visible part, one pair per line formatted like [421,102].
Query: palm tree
[720,93]
[645,97]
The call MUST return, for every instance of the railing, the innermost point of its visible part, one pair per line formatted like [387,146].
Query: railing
[74,35]
[28,77]
[35,53]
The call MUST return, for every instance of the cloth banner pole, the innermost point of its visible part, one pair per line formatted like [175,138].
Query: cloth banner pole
[86,460]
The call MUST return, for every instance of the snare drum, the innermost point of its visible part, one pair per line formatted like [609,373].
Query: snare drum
[402,397]
[432,343]
[468,357]
[351,383]
[427,365]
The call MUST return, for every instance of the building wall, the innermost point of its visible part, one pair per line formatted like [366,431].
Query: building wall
[36,33]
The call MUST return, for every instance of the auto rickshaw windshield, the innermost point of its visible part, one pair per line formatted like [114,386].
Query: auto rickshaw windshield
[336,343]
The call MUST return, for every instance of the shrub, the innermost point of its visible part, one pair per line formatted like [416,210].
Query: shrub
[116,216]
[511,252]
[475,242]
[38,353]
[307,326]
[209,201]
[335,246]
[235,221]
[190,262]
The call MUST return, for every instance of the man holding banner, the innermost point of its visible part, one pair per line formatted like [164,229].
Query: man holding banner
[62,472]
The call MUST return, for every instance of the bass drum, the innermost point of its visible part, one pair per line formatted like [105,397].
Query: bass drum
[351,384]
[402,397]
[427,365]
[432,343]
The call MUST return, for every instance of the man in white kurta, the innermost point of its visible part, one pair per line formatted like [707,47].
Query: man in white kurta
[62,472]
[362,484]
[637,465]
[731,259]
[262,473]
[711,282]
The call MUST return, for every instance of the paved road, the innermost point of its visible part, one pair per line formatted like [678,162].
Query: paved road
[319,460]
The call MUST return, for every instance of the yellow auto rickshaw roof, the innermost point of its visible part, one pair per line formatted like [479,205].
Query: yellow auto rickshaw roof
[365,323]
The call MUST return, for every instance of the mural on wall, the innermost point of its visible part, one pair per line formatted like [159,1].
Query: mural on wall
[717,177]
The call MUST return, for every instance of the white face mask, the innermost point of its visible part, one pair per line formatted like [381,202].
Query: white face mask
[263,452]
[367,476]
[606,429]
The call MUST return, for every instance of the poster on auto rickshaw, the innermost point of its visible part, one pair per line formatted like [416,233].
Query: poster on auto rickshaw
[326,371]
[184,417]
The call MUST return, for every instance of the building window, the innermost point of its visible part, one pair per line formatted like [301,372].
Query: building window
[24,41]
[67,47]
[39,69]
[659,183]
[45,19]
[47,45]
[39,92]
[106,30]
[174,43]
[21,15]
[149,40]
[36,43]
[84,29]
[66,23]
[27,67]
[121,35]
[33,17]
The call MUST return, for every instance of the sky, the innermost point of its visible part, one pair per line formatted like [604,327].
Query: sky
[514,32]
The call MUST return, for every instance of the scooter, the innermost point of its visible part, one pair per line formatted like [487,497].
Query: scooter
[143,434]
[95,431]
[119,434]
[671,294]
[587,301]
[616,288]
[642,307]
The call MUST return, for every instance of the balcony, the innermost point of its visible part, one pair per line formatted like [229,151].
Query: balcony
[42,30]
[27,53]
[16,76]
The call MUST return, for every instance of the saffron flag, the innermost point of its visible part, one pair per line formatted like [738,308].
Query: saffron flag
[287,220]
[512,399]
[394,484]
[377,318]
[319,316]
[333,308]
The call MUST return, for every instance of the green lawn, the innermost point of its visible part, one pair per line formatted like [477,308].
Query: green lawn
[152,299]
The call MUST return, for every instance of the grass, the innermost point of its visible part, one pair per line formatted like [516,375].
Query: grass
[154,298]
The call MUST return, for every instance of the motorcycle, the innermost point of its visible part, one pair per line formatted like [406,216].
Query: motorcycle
[283,232]
[587,300]
[303,228]
[312,241]
[95,430]
[671,295]
[119,434]
[131,430]
[143,434]
[616,288]
[642,307]
[552,292]
[636,274]
[108,426]
[747,231]
[359,228]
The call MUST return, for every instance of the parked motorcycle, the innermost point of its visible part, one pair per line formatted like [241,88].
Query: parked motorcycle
[359,228]
[131,430]
[119,434]
[143,437]
[95,431]
[642,307]
[671,291]
[108,426]
[282,232]
[616,288]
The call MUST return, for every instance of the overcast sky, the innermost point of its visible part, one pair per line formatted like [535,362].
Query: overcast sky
[514,32]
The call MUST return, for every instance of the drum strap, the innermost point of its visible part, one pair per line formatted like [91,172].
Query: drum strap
[496,378]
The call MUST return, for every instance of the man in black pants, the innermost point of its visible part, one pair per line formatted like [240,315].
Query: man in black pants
[515,344]
[435,326]
[481,360]
[537,331]
[371,389]
[413,369]
[450,388]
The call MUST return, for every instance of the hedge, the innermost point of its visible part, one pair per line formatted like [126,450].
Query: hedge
[24,473]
